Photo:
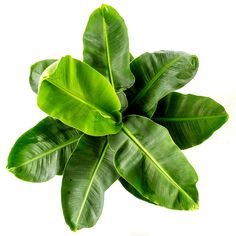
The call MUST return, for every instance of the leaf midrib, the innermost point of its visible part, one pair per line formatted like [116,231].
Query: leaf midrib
[153,80]
[98,109]
[158,166]
[107,50]
[49,151]
[182,119]
[97,165]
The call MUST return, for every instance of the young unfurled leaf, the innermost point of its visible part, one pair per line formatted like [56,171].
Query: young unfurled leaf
[148,159]
[158,74]
[80,97]
[88,174]
[41,152]
[190,119]
[106,47]
[36,71]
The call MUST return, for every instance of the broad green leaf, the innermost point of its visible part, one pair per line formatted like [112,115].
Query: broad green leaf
[106,47]
[148,159]
[190,119]
[41,152]
[158,74]
[36,71]
[88,174]
[80,97]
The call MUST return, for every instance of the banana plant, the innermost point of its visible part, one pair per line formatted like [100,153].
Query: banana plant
[114,117]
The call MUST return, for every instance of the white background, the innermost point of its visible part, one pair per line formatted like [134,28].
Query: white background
[38,29]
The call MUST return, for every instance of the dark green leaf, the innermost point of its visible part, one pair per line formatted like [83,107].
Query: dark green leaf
[106,47]
[148,159]
[89,172]
[190,119]
[41,153]
[36,71]
[158,74]
[80,97]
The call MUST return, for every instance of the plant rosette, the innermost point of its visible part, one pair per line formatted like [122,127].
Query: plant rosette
[112,117]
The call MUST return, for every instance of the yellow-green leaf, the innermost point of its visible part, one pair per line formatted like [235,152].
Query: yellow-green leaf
[80,97]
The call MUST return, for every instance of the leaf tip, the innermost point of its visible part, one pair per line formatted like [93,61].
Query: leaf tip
[72,226]
[195,207]
[104,6]
[226,116]
[73,229]
[11,169]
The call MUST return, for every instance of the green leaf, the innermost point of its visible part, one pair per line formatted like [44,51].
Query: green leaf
[36,71]
[190,119]
[80,97]
[41,152]
[148,159]
[88,174]
[158,74]
[106,47]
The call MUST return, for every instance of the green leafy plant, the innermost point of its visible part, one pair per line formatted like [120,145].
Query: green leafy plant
[113,117]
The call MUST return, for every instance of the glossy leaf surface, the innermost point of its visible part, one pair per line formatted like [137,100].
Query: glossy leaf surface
[190,119]
[80,97]
[89,172]
[148,159]
[36,71]
[41,153]
[106,47]
[158,74]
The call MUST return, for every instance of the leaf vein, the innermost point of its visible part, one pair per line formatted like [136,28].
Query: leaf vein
[97,165]
[98,109]
[182,119]
[153,80]
[41,155]
[156,164]
[107,52]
